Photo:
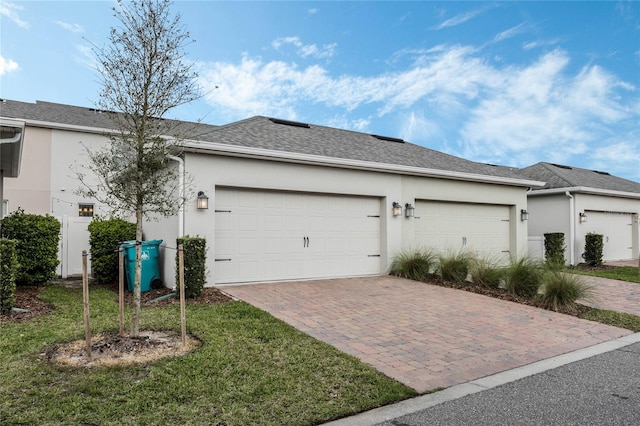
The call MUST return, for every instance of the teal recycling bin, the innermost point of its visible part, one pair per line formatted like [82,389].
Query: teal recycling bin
[150,272]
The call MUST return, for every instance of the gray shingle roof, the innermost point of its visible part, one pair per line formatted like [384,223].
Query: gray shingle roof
[262,132]
[559,176]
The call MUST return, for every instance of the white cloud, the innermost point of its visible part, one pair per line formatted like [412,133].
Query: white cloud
[509,33]
[7,65]
[458,19]
[312,11]
[11,11]
[305,50]
[501,115]
[74,28]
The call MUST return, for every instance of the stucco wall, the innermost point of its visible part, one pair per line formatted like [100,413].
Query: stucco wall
[207,172]
[31,190]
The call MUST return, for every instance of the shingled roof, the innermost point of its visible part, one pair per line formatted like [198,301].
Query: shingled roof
[302,138]
[53,113]
[279,135]
[558,176]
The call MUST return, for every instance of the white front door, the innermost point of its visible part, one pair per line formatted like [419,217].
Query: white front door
[483,229]
[269,235]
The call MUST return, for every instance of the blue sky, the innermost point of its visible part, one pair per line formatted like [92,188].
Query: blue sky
[510,83]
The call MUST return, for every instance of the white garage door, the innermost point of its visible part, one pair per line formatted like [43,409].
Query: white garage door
[616,229]
[483,229]
[266,236]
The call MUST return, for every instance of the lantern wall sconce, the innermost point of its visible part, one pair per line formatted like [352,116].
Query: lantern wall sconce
[202,202]
[583,217]
[397,209]
[409,210]
[524,215]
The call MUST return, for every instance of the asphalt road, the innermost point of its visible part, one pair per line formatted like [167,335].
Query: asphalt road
[601,390]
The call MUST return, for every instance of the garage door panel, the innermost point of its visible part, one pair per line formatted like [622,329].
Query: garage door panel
[294,235]
[450,227]
[617,231]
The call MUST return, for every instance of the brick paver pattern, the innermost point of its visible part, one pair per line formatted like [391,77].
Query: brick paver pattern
[614,295]
[422,335]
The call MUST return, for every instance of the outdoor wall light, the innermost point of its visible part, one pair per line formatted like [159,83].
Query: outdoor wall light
[583,217]
[202,202]
[524,215]
[397,209]
[409,210]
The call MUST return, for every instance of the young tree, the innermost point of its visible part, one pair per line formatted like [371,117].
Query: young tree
[143,75]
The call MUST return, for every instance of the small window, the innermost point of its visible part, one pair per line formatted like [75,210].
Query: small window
[85,210]
[5,207]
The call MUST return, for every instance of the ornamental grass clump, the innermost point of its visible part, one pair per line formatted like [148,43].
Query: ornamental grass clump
[486,272]
[455,267]
[416,264]
[523,277]
[561,291]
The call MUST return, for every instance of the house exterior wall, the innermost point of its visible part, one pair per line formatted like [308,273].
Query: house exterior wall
[208,172]
[599,203]
[554,213]
[31,190]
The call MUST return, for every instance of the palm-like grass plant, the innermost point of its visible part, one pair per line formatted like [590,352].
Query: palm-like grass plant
[414,264]
[561,290]
[523,277]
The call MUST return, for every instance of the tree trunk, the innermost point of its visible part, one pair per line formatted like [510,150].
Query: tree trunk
[135,328]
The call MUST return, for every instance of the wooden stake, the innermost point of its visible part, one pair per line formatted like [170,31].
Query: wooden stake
[121,288]
[183,315]
[85,300]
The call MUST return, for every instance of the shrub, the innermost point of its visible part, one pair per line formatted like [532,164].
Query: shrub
[8,271]
[561,291]
[36,239]
[486,273]
[455,267]
[413,264]
[523,277]
[195,256]
[593,249]
[104,237]
[554,249]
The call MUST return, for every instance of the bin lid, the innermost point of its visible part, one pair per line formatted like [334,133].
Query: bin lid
[129,244]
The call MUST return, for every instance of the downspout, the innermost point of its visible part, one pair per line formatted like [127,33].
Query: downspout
[572,225]
[180,193]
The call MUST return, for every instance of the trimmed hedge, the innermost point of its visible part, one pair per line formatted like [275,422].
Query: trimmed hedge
[554,249]
[36,239]
[8,271]
[593,248]
[195,256]
[105,236]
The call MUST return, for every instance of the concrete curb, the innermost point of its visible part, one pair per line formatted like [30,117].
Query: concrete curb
[389,412]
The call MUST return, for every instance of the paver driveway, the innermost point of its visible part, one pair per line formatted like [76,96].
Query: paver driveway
[422,335]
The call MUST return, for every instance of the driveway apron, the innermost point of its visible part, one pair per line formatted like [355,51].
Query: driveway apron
[422,335]
[614,295]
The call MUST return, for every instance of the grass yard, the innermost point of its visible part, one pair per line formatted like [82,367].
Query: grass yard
[623,273]
[251,369]
[617,319]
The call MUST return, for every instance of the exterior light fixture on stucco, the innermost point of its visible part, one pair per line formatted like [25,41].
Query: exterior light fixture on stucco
[202,202]
[583,217]
[524,215]
[397,209]
[409,210]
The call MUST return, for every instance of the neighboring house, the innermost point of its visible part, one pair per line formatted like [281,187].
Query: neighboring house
[577,201]
[291,200]
[11,137]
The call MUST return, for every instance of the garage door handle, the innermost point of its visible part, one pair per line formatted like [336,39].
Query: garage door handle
[305,241]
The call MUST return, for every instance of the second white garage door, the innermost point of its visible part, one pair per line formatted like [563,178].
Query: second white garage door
[483,229]
[617,231]
[267,236]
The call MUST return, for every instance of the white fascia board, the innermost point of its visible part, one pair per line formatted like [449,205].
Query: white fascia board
[71,127]
[584,190]
[293,157]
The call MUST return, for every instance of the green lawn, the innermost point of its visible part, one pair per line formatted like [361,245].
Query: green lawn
[251,369]
[624,273]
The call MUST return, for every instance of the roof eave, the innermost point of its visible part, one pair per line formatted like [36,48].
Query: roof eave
[293,157]
[584,190]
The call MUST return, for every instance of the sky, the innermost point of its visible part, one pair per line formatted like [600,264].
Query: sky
[507,83]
